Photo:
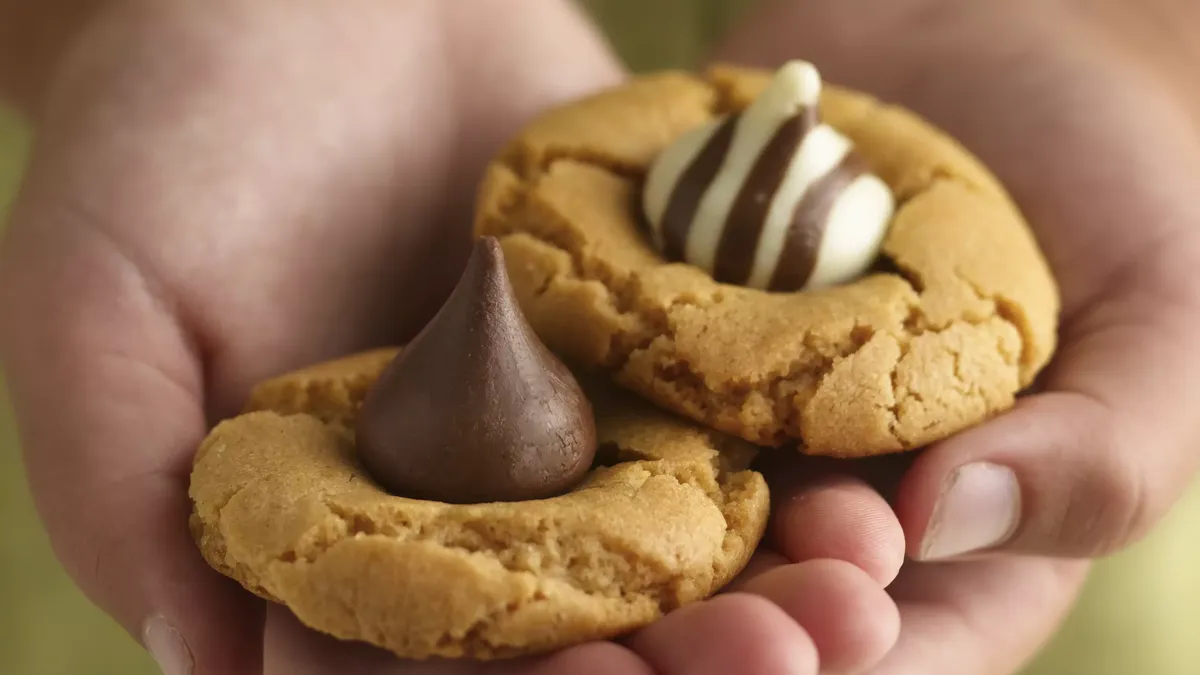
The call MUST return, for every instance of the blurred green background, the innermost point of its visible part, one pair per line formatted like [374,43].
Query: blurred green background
[1140,614]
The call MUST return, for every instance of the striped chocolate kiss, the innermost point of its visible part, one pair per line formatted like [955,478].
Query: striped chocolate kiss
[769,198]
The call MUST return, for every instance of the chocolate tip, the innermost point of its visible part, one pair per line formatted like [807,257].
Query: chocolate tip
[489,248]
[486,266]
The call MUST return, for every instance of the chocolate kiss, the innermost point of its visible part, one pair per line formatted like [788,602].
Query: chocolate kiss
[476,409]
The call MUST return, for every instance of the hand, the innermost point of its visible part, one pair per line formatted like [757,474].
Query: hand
[223,191]
[1085,115]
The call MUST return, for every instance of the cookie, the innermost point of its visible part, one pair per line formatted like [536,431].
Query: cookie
[958,317]
[668,514]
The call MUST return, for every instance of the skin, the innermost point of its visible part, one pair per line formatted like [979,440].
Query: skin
[223,191]
[1086,113]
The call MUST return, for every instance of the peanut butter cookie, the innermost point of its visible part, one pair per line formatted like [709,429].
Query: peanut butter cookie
[668,513]
[951,310]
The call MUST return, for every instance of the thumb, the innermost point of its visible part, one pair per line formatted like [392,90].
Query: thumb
[1091,464]
[108,399]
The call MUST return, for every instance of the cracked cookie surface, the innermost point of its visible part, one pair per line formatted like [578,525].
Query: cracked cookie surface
[964,318]
[668,516]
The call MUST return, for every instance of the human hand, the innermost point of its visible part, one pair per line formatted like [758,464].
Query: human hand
[223,191]
[1087,115]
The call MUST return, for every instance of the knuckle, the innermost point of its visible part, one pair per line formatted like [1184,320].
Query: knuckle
[1112,504]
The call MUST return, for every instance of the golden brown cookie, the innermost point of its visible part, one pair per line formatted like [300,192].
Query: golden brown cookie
[890,362]
[281,505]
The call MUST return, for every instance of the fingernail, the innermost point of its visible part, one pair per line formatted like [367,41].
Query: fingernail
[167,647]
[978,509]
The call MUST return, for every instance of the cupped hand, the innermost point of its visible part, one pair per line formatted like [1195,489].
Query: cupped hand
[1087,115]
[224,191]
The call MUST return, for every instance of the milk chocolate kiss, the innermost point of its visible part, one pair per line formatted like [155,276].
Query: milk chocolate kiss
[476,409]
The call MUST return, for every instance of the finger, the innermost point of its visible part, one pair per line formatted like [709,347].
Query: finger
[109,387]
[734,633]
[845,612]
[290,648]
[108,397]
[595,658]
[979,618]
[764,560]
[1089,466]
[822,511]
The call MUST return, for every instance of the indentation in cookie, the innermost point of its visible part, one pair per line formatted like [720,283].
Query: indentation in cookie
[769,197]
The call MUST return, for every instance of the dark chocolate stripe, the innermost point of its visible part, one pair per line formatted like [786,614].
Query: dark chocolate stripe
[748,214]
[690,188]
[798,258]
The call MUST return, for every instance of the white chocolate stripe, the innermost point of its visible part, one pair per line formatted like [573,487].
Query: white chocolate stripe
[808,212]
[796,87]
[854,231]
[670,165]
[821,152]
